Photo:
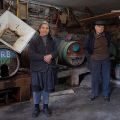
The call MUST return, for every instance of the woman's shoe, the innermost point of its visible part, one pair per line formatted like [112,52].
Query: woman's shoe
[35,113]
[93,98]
[46,110]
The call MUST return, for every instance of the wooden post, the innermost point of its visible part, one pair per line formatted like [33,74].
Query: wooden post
[74,78]
[22,10]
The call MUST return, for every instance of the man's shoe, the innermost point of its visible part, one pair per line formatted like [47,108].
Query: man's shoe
[107,98]
[35,113]
[47,111]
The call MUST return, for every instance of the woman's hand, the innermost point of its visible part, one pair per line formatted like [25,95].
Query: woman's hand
[48,58]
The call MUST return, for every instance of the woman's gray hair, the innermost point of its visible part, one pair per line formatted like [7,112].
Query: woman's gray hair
[44,22]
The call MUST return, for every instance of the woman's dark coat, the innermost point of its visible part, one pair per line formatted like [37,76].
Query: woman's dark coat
[37,51]
[43,74]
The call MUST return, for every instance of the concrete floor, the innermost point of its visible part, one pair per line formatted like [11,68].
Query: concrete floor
[75,106]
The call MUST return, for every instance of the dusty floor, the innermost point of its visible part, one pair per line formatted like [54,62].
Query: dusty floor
[75,106]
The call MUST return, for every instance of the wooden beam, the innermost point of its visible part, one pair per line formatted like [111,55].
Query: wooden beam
[99,17]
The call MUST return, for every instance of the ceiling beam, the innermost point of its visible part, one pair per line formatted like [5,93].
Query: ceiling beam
[99,17]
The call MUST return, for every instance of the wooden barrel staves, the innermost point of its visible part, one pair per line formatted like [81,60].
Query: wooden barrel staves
[71,53]
[9,63]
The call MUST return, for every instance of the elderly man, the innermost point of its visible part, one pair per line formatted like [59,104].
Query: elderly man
[97,46]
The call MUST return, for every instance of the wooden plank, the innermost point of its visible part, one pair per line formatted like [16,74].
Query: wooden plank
[62,74]
[64,92]
[102,16]
[22,10]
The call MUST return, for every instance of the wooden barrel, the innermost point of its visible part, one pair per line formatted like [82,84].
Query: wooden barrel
[71,53]
[9,63]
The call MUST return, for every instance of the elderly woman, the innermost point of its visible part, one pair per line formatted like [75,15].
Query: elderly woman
[42,53]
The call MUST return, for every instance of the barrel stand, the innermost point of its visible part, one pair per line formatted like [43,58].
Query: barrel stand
[73,73]
[20,81]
